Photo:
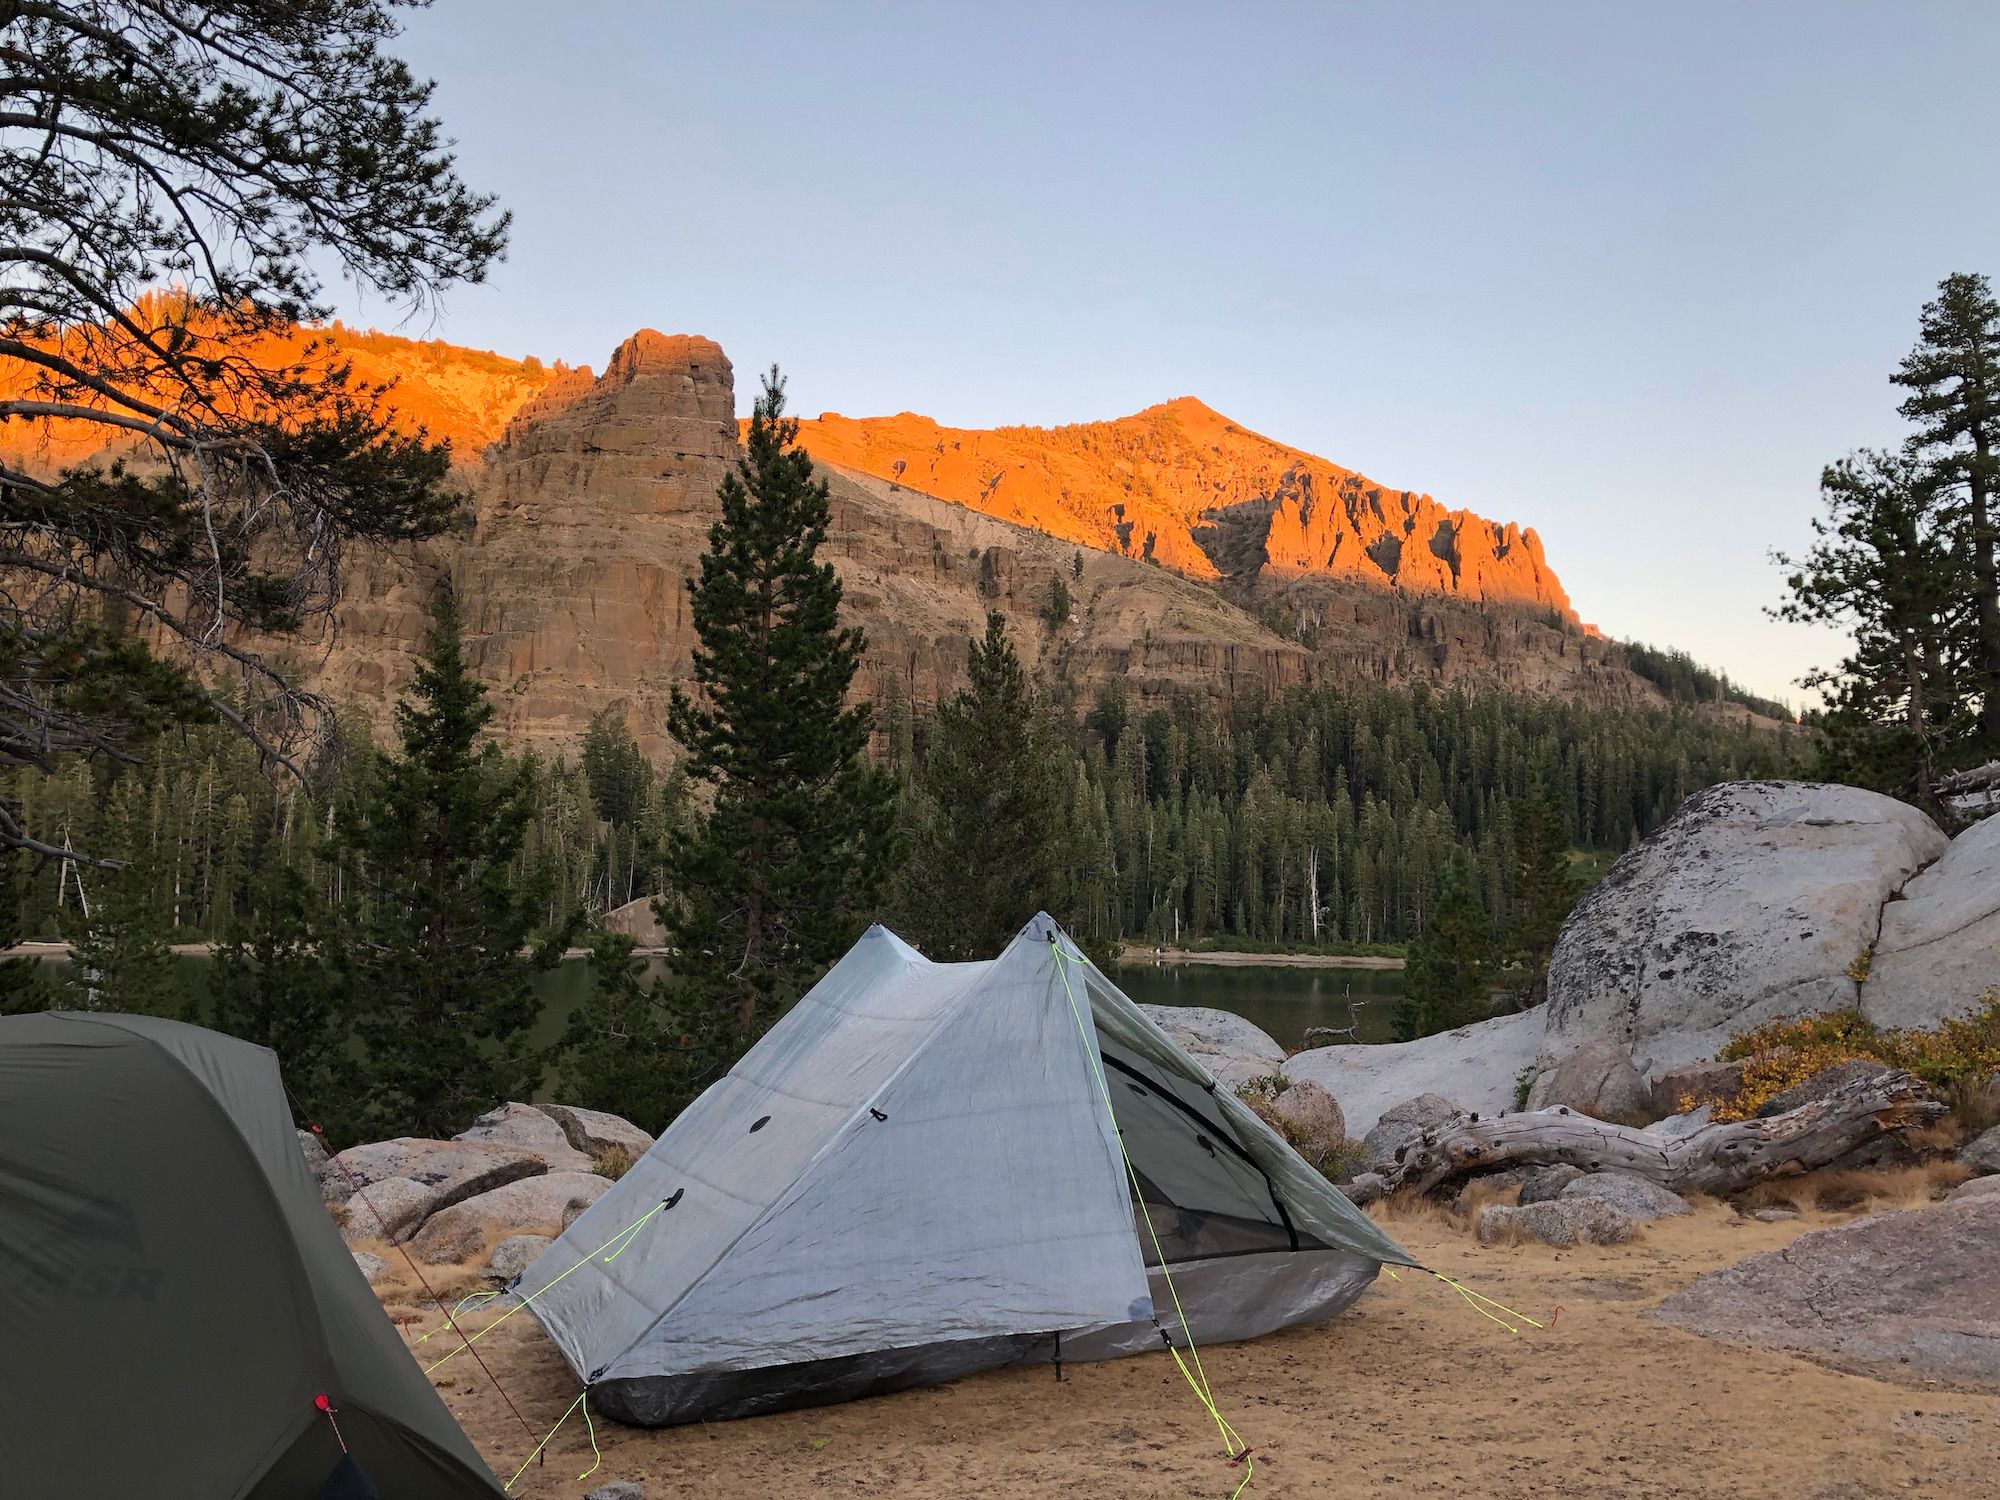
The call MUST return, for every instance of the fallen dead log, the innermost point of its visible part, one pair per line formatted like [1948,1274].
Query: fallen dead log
[1718,1159]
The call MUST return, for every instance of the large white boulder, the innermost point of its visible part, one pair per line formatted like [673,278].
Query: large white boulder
[594,1133]
[1752,903]
[1225,1044]
[1476,1067]
[1940,945]
[451,1171]
[526,1128]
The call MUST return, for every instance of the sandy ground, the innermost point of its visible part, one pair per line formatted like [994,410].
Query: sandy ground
[1408,1393]
[1131,954]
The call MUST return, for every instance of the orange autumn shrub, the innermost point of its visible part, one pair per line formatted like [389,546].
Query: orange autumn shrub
[1958,1052]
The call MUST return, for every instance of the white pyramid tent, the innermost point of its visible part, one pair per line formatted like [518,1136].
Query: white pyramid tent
[916,1174]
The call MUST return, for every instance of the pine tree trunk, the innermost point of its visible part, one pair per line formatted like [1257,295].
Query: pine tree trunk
[1987,581]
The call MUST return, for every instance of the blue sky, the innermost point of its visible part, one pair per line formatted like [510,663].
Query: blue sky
[1627,274]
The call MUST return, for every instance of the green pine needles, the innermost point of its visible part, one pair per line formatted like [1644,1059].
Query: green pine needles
[775,883]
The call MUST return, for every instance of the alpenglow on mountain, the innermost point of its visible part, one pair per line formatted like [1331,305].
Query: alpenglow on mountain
[1172,551]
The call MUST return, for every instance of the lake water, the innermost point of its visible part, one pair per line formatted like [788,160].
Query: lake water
[1282,1000]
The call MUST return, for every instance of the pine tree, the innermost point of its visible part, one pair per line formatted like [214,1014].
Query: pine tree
[988,834]
[1887,570]
[121,949]
[624,1050]
[1953,376]
[1543,893]
[1448,979]
[440,946]
[799,840]
[271,983]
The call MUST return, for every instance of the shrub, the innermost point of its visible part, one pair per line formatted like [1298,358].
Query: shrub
[1952,1057]
[614,1163]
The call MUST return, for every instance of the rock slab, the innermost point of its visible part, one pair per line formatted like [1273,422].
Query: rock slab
[1906,1296]
[452,1170]
[1476,1067]
[1939,951]
[1752,903]
[1227,1045]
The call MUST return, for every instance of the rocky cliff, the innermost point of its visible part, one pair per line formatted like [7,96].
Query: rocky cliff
[1184,486]
[1236,567]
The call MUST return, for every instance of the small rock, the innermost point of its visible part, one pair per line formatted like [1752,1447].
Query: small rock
[1365,1189]
[1822,1083]
[526,1128]
[1545,1184]
[593,1132]
[1315,1113]
[515,1254]
[1983,1154]
[370,1265]
[1774,1215]
[1978,1187]
[1402,1124]
[531,1206]
[1562,1221]
[622,1489]
[1635,1197]
[573,1210]
[1598,1080]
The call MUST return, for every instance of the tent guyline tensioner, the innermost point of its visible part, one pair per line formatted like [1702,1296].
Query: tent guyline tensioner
[1233,1444]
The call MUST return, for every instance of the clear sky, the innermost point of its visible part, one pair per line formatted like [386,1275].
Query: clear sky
[1627,274]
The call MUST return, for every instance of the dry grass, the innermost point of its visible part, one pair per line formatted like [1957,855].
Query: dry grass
[1852,1190]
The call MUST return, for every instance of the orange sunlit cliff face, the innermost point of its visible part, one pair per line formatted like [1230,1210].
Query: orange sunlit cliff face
[465,396]
[1183,486]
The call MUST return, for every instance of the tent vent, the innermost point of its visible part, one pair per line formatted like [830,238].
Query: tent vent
[759,1123]
[876,1113]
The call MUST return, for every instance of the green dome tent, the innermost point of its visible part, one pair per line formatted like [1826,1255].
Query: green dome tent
[174,1300]
[927,1169]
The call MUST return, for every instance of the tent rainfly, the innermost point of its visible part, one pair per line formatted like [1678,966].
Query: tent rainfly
[927,1169]
[175,1303]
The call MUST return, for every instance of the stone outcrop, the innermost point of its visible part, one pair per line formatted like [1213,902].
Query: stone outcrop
[1939,949]
[1227,1045]
[1755,901]
[1906,1296]
[1475,1067]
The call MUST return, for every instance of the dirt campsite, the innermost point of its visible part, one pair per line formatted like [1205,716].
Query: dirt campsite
[1409,1392]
